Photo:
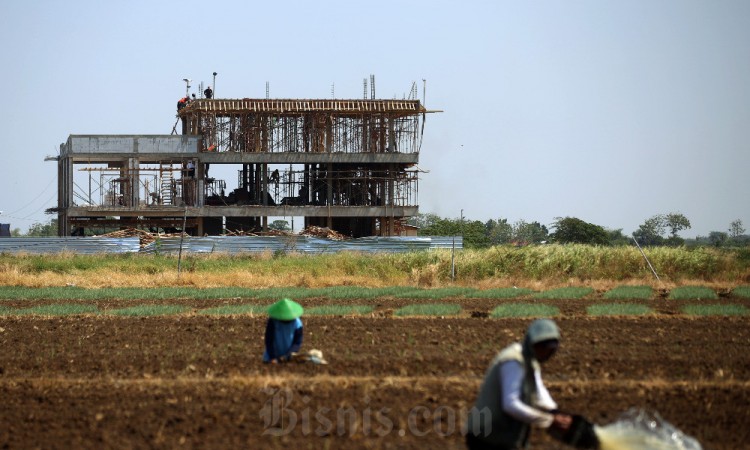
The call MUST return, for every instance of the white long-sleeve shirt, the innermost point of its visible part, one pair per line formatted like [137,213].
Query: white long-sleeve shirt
[511,377]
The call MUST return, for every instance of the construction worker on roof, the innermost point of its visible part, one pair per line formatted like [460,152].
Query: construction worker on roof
[181,103]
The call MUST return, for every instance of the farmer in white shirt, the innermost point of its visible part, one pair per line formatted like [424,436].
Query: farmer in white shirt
[513,398]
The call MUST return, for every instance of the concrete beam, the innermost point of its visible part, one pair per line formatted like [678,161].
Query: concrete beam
[246,211]
[130,144]
[253,158]
[309,158]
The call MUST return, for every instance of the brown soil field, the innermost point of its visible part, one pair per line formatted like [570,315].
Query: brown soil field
[196,381]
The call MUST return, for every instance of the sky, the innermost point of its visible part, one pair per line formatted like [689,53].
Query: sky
[608,111]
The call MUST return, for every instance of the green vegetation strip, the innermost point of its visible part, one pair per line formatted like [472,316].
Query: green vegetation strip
[565,293]
[363,292]
[276,293]
[524,310]
[503,293]
[741,291]
[76,293]
[438,293]
[692,293]
[629,292]
[433,309]
[227,310]
[164,293]
[618,309]
[149,310]
[336,310]
[716,310]
[52,310]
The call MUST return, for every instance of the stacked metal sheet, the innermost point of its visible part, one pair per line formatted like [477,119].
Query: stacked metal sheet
[226,244]
[78,245]
[299,244]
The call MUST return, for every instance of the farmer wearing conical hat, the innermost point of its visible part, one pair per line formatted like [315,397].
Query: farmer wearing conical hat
[283,331]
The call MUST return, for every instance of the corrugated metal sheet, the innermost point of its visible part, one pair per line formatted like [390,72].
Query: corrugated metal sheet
[82,245]
[226,244]
[300,244]
[447,242]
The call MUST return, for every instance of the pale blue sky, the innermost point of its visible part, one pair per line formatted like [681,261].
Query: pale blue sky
[609,111]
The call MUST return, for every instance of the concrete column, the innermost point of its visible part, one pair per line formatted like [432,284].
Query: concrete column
[329,134]
[64,189]
[135,182]
[365,135]
[199,226]
[265,139]
[200,184]
[264,184]
[391,135]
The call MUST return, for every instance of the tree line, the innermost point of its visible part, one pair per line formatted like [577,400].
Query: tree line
[659,230]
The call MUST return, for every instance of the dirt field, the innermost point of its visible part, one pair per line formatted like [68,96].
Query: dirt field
[193,381]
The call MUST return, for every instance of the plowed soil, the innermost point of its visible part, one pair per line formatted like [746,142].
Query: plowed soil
[195,381]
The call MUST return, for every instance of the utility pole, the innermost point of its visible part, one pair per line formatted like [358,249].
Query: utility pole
[462,225]
[453,248]
[182,236]
[453,259]
[187,87]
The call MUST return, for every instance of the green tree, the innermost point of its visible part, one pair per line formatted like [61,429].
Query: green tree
[676,222]
[651,231]
[570,230]
[529,233]
[474,232]
[43,229]
[736,229]
[441,227]
[616,237]
[499,231]
[280,225]
[424,220]
[717,238]
[475,235]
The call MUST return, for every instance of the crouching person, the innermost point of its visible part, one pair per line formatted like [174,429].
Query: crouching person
[513,398]
[283,331]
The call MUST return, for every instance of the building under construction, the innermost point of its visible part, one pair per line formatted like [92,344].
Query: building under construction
[349,165]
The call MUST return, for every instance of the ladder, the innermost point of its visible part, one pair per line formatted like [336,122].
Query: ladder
[167,184]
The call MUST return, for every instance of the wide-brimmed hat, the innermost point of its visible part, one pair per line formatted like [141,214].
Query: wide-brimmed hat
[316,357]
[285,309]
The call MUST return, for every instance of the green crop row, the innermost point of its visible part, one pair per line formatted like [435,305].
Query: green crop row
[349,292]
[433,309]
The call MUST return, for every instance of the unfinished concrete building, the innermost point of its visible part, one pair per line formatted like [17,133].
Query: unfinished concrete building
[349,165]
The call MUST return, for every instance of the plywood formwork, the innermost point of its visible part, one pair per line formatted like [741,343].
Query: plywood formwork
[349,165]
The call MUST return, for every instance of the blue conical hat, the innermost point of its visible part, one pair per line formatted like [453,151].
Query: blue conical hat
[285,310]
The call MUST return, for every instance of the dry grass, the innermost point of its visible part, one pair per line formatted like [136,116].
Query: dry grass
[539,268]
[247,279]
[239,278]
